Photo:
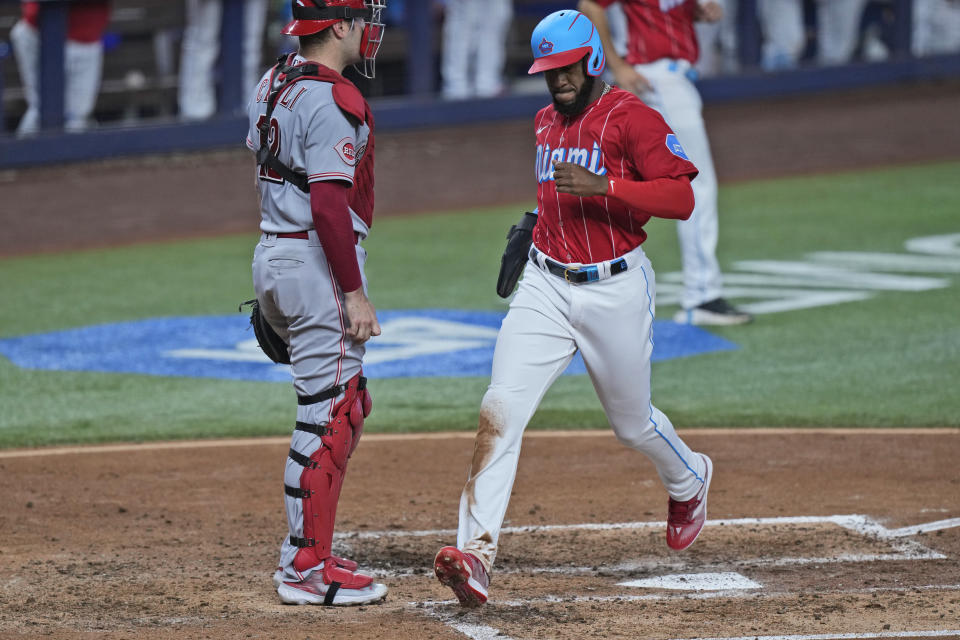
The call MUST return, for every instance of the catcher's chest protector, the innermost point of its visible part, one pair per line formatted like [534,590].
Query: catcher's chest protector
[350,101]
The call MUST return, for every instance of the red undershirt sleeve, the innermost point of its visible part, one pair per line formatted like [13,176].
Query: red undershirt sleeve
[331,219]
[663,197]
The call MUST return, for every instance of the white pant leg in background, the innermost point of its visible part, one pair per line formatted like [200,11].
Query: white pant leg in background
[83,65]
[83,68]
[936,27]
[491,51]
[201,46]
[708,37]
[838,29]
[676,98]
[784,34]
[459,39]
[254,22]
[548,320]
[25,41]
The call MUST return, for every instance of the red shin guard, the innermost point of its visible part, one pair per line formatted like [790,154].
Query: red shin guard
[322,479]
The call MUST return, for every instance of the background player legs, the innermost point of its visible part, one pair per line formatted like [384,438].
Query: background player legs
[936,27]
[838,29]
[26,47]
[620,371]
[254,21]
[83,64]
[677,99]
[201,45]
[458,47]
[783,33]
[83,68]
[491,49]
[535,328]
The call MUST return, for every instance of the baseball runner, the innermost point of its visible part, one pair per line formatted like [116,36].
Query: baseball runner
[662,48]
[605,164]
[201,45]
[313,134]
[82,60]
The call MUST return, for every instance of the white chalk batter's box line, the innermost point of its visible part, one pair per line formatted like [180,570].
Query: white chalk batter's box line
[441,611]
[864,525]
[904,549]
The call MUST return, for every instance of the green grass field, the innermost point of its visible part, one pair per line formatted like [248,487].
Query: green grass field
[892,360]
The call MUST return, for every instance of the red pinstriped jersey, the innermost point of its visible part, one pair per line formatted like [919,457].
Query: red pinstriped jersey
[617,136]
[659,29]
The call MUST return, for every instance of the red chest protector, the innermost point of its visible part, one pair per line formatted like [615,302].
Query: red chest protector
[350,101]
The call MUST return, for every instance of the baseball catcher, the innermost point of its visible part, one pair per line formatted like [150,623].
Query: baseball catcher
[312,133]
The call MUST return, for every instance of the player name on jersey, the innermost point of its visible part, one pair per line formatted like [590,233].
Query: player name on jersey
[592,159]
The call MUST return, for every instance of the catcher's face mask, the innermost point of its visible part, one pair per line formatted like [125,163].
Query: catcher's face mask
[372,37]
[313,16]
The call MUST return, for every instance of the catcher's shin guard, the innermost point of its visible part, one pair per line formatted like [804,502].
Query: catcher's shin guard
[322,476]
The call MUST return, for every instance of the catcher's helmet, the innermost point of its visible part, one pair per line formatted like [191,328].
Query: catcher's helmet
[564,37]
[313,16]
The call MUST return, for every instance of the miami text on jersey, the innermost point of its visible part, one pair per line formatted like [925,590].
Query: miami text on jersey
[592,159]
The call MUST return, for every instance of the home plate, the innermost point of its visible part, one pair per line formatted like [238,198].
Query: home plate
[695,582]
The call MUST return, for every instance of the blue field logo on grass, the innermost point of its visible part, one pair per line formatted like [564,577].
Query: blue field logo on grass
[420,343]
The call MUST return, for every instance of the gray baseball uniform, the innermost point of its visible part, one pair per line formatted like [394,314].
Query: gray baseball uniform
[298,293]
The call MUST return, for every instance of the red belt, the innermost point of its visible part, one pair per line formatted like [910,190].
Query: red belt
[305,235]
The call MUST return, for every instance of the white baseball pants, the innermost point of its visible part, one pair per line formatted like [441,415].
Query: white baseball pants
[611,323]
[201,46]
[676,98]
[784,34]
[838,29]
[83,65]
[474,47]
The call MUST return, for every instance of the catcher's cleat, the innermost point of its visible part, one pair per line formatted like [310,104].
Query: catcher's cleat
[332,586]
[685,519]
[464,573]
[717,312]
[343,563]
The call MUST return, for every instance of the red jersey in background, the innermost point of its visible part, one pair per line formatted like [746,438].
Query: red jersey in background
[659,29]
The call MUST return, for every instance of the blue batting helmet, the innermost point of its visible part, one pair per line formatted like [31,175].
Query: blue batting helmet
[564,37]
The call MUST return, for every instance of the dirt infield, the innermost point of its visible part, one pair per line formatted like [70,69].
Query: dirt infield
[180,540]
[812,533]
[180,196]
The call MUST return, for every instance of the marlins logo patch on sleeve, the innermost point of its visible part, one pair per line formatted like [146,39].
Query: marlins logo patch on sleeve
[675,148]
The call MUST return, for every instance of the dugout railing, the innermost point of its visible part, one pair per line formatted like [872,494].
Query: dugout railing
[414,54]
